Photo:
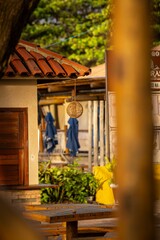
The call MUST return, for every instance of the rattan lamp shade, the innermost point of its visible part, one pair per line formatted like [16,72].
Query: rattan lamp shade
[74,109]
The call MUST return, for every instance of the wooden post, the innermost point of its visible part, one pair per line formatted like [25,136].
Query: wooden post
[17,228]
[71,230]
[90,135]
[53,110]
[65,138]
[107,132]
[102,134]
[95,131]
[41,146]
[134,119]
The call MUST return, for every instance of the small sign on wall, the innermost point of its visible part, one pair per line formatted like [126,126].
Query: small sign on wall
[155,85]
[155,70]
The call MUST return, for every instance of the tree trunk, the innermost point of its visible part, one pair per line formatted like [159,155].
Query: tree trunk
[14,15]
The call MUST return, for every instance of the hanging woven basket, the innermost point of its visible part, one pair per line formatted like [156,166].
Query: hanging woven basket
[74,109]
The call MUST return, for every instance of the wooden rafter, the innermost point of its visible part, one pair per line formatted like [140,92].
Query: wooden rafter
[66,83]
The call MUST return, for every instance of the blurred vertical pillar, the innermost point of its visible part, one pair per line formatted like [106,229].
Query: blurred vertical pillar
[107,123]
[95,132]
[65,138]
[90,134]
[134,119]
[101,132]
[53,110]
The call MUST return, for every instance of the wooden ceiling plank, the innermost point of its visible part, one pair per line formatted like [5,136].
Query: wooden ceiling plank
[51,101]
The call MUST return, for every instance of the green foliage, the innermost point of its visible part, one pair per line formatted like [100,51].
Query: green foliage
[111,167]
[74,185]
[110,164]
[156,21]
[78,29]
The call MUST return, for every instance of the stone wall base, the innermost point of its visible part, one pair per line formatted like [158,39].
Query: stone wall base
[22,197]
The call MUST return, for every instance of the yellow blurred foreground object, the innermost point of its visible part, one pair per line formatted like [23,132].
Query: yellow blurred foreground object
[157,180]
[13,226]
[157,171]
[104,194]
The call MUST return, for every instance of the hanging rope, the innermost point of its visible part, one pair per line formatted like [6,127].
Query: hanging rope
[74,109]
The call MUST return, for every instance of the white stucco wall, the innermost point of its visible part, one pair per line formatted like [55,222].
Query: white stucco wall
[19,94]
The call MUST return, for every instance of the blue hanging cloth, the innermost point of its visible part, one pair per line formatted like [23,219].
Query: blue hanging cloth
[50,139]
[72,135]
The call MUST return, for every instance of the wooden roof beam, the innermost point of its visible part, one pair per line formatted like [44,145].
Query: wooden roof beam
[77,82]
[51,101]
[97,85]
[58,89]
[86,98]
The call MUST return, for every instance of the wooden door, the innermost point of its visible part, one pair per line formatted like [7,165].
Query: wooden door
[13,146]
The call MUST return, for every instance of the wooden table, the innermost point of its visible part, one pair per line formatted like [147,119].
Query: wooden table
[69,213]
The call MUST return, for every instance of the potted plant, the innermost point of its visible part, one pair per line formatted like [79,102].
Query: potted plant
[74,185]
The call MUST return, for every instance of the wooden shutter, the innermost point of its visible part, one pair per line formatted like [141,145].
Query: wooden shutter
[13,147]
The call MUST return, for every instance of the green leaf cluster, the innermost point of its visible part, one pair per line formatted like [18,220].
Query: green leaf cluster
[74,185]
[156,21]
[111,167]
[78,29]
[110,164]
[81,30]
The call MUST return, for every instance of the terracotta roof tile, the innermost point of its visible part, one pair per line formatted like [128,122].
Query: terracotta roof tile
[34,68]
[10,71]
[82,70]
[34,45]
[24,53]
[37,56]
[19,66]
[53,54]
[56,67]
[70,70]
[31,60]
[43,64]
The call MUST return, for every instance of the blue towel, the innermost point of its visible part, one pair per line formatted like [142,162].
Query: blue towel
[50,139]
[72,135]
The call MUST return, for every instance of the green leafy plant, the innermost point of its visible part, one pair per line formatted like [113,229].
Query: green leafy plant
[74,185]
[111,167]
